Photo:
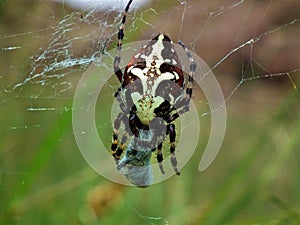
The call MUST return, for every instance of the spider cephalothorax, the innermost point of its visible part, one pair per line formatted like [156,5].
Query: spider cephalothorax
[153,94]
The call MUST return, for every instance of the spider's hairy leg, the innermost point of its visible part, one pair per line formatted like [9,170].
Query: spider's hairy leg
[172,134]
[121,35]
[121,29]
[160,158]
[189,86]
[116,150]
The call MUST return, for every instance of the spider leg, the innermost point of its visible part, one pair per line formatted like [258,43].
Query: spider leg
[172,134]
[117,70]
[160,158]
[189,85]
[116,150]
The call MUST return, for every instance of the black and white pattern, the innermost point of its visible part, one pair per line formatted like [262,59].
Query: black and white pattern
[153,94]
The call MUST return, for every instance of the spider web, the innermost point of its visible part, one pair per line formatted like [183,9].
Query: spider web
[44,54]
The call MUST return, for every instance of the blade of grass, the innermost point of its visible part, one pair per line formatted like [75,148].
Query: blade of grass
[265,178]
[46,149]
[290,213]
[54,191]
[217,214]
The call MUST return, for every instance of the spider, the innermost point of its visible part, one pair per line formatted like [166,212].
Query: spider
[154,92]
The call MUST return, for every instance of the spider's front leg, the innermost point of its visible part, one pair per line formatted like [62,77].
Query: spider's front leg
[115,150]
[117,70]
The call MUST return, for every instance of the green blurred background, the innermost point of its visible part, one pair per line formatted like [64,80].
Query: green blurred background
[255,178]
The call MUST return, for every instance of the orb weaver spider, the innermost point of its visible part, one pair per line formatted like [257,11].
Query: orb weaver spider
[153,94]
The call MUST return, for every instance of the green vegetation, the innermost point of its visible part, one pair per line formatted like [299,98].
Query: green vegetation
[44,179]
